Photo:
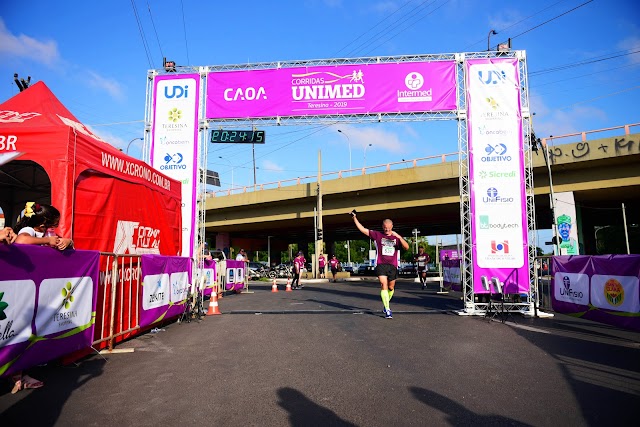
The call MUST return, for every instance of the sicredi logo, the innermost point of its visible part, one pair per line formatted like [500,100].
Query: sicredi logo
[496,153]
[572,288]
[496,174]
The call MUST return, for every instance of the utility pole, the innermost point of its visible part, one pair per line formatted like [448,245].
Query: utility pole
[320,235]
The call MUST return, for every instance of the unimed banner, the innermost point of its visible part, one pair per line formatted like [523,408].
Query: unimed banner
[341,89]
[499,226]
[603,288]
[47,304]
[166,281]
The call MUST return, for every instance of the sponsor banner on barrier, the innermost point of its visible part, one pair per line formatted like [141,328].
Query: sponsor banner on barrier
[496,173]
[235,275]
[47,304]
[603,288]
[451,274]
[340,89]
[174,149]
[618,293]
[572,288]
[166,281]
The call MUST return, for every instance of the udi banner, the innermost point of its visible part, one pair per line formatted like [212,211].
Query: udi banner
[603,288]
[166,281]
[174,148]
[499,226]
[47,304]
[340,89]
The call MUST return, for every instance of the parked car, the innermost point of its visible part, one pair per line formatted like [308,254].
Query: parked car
[408,270]
[348,268]
[366,270]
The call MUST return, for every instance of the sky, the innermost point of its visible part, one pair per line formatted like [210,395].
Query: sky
[583,61]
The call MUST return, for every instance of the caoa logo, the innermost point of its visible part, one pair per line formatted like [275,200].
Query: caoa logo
[614,292]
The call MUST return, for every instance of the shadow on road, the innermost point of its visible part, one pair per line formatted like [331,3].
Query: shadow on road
[42,406]
[304,412]
[457,414]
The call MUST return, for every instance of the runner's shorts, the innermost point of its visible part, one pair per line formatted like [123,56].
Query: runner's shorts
[391,271]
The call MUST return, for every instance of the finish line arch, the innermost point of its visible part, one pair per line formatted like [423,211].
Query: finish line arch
[485,92]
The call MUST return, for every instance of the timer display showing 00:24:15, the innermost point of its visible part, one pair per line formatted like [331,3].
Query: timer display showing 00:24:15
[238,136]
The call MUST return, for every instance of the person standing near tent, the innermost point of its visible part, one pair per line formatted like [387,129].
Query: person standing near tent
[36,227]
[388,243]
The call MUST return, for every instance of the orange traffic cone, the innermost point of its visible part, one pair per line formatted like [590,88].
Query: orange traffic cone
[274,287]
[288,289]
[213,304]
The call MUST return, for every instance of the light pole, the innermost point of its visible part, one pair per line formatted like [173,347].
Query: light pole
[220,157]
[365,155]
[491,32]
[129,145]
[415,232]
[555,239]
[348,142]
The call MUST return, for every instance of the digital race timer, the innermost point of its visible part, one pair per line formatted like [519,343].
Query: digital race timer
[237,136]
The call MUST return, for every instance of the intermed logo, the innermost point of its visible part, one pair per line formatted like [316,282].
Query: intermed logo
[176,92]
[414,81]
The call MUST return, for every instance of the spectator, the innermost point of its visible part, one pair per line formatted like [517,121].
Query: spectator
[242,256]
[322,262]
[334,264]
[7,236]
[298,265]
[37,226]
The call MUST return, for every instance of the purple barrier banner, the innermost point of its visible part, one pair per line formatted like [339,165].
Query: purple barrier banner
[235,275]
[340,89]
[446,254]
[47,304]
[603,288]
[451,274]
[209,271]
[499,228]
[166,281]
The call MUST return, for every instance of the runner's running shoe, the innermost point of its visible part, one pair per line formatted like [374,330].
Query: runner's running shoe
[388,315]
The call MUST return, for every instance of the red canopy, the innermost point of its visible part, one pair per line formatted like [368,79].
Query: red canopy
[108,200]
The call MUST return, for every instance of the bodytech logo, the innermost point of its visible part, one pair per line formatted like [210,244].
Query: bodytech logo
[133,238]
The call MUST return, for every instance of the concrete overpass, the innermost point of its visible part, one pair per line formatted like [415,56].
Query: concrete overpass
[424,193]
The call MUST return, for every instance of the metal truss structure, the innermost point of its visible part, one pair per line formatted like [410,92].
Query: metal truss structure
[471,305]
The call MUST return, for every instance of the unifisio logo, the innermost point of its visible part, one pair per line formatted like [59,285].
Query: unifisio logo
[500,247]
[614,292]
[566,289]
[494,197]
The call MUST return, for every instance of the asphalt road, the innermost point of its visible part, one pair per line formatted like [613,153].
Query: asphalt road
[325,356]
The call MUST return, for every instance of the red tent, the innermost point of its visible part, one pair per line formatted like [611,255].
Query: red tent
[108,201]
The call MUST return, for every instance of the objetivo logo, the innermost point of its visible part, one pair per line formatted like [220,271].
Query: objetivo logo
[614,292]
[500,247]
[414,81]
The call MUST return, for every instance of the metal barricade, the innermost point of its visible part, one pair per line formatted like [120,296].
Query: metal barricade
[542,282]
[117,309]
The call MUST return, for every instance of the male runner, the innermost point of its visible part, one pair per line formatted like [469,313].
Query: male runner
[422,259]
[387,243]
[298,265]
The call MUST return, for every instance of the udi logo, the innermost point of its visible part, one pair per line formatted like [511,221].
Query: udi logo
[492,77]
[176,92]
[500,247]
